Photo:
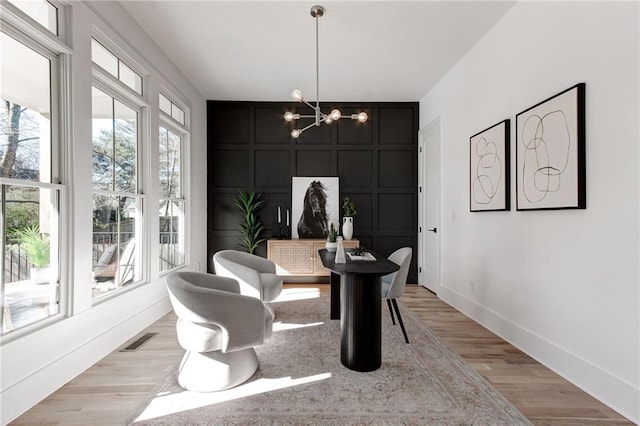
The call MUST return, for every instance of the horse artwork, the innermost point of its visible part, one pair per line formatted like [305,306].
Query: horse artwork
[315,203]
[314,221]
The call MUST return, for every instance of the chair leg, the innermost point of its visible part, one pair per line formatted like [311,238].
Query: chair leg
[395,305]
[391,311]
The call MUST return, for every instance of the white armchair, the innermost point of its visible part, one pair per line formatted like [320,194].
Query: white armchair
[256,275]
[219,328]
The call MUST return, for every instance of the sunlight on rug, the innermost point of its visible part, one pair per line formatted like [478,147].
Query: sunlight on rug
[298,294]
[279,325]
[171,403]
[300,380]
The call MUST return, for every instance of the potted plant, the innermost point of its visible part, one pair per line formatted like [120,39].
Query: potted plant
[249,204]
[332,239]
[36,246]
[349,211]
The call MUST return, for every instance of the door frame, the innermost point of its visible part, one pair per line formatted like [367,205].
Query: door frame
[422,224]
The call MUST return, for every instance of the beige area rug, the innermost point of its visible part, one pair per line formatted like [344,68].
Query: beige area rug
[301,381]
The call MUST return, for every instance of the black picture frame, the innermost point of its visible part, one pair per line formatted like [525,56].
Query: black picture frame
[489,169]
[550,153]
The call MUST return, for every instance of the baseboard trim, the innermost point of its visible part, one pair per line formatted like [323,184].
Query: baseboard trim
[616,393]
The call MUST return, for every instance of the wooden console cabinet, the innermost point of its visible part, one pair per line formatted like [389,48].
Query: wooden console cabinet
[300,256]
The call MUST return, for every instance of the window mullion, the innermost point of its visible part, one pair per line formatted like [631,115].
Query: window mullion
[113,144]
[2,245]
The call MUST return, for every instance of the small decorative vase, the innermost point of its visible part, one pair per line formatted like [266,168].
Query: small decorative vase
[331,247]
[40,275]
[347,227]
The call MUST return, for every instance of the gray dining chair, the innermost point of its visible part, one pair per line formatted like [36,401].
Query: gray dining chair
[393,284]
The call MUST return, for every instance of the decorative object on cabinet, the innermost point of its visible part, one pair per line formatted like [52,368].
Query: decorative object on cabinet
[251,228]
[489,172]
[283,224]
[349,211]
[314,205]
[332,242]
[550,153]
[299,257]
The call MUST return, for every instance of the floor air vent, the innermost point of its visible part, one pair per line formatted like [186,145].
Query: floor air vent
[135,345]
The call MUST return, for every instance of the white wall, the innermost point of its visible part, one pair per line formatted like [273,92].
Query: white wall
[34,365]
[561,285]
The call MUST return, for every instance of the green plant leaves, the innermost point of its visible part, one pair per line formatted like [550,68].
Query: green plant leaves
[333,235]
[348,207]
[249,203]
[35,244]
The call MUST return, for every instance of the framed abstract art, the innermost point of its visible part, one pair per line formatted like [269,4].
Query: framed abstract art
[489,171]
[550,153]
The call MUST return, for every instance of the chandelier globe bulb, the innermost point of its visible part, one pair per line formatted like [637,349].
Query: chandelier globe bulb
[296,95]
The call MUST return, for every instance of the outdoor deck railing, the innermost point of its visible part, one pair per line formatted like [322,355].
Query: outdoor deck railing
[17,266]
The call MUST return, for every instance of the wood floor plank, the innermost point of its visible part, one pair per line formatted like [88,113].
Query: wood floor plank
[108,392]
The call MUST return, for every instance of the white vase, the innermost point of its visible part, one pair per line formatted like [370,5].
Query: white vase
[40,275]
[331,247]
[347,227]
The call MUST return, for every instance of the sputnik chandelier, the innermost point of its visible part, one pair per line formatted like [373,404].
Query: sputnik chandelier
[296,95]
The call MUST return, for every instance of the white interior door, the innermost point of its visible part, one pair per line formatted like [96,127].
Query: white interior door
[431,179]
[421,214]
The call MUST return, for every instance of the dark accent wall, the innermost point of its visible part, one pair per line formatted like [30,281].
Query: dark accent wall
[250,148]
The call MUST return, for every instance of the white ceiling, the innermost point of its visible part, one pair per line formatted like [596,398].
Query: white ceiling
[369,50]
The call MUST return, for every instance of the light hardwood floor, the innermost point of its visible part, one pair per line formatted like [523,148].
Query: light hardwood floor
[109,392]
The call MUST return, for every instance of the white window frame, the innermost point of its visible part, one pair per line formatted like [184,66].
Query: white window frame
[173,105]
[183,234]
[119,52]
[171,124]
[31,28]
[113,87]
[119,62]
[18,25]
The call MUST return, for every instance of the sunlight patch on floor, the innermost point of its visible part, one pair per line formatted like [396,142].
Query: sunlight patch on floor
[298,294]
[165,404]
[279,326]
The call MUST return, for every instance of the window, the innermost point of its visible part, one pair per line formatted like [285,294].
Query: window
[29,201]
[101,56]
[43,12]
[117,205]
[172,203]
[171,109]
[172,197]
